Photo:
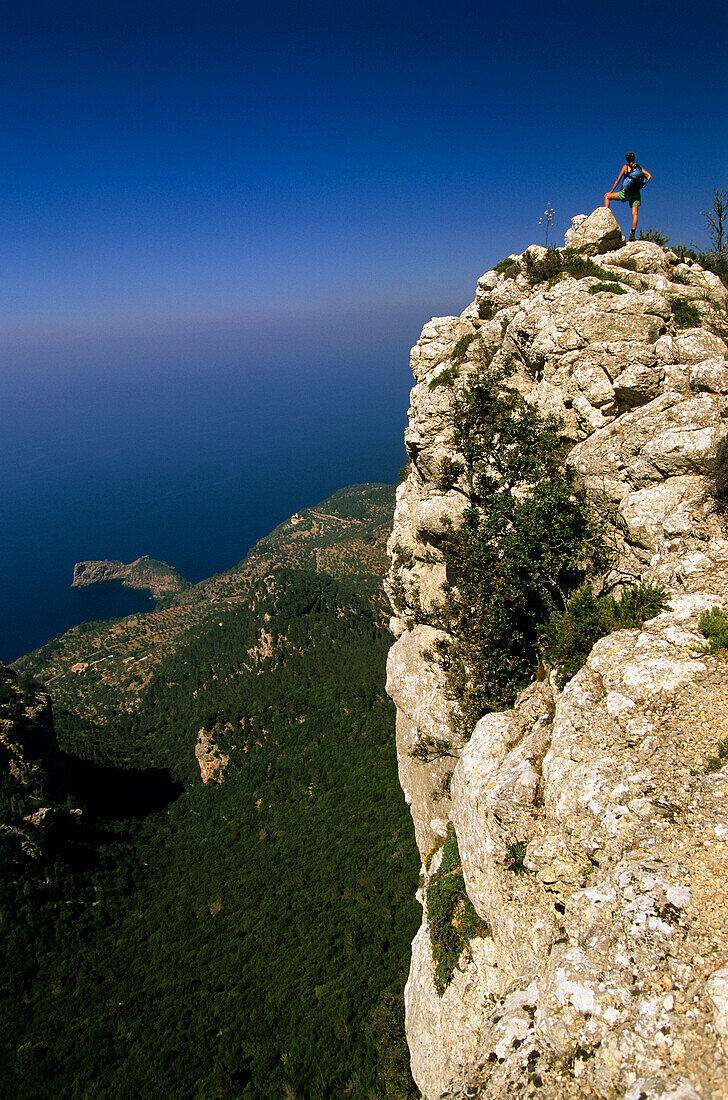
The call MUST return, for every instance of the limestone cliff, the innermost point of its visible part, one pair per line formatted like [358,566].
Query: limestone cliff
[602,969]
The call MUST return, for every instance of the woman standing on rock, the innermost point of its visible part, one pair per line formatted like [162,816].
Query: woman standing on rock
[635,177]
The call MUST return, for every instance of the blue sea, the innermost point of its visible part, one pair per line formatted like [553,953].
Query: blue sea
[187,446]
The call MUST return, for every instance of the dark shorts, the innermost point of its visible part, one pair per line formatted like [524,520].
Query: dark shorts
[633,200]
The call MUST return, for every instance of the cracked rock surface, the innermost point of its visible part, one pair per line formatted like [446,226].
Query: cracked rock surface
[604,968]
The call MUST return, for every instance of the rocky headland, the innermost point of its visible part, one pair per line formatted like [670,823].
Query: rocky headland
[157,577]
[588,822]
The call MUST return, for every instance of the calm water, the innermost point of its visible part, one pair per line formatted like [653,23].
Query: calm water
[185,449]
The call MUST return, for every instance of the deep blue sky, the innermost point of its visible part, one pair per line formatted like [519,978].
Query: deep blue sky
[169,165]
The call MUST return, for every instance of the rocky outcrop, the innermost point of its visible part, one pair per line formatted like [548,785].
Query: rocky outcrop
[602,969]
[211,759]
[34,794]
[596,234]
[145,573]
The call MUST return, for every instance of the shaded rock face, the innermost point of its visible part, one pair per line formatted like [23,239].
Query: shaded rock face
[33,782]
[604,971]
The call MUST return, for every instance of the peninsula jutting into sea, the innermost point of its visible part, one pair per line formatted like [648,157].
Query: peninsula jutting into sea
[145,573]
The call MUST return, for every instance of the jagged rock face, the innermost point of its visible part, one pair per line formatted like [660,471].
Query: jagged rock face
[32,775]
[210,757]
[604,971]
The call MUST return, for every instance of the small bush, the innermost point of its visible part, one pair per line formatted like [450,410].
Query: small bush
[679,278]
[446,377]
[685,314]
[715,763]
[443,788]
[429,854]
[451,917]
[541,270]
[570,635]
[638,604]
[557,262]
[607,288]
[428,748]
[450,471]
[460,351]
[655,236]
[509,268]
[714,625]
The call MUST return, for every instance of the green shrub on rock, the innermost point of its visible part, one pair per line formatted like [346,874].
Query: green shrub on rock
[714,625]
[508,267]
[607,288]
[451,917]
[523,546]
[717,763]
[557,262]
[570,635]
[685,314]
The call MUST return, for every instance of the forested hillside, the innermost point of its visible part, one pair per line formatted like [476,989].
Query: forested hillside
[247,937]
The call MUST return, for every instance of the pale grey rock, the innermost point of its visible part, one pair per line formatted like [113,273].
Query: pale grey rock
[597,233]
[717,990]
[506,293]
[667,437]
[711,375]
[493,792]
[436,343]
[603,969]
[416,686]
[638,384]
[435,513]
[212,761]
[470,314]
[697,344]
[656,1089]
[443,1033]
[642,256]
[665,509]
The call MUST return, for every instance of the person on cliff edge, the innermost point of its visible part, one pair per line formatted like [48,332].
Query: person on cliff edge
[635,177]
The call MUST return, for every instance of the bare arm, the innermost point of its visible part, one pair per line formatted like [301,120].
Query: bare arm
[622,173]
[647,174]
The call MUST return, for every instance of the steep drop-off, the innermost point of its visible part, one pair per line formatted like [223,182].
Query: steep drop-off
[231,914]
[591,829]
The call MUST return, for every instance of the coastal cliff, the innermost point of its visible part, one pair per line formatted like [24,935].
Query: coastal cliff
[145,573]
[584,829]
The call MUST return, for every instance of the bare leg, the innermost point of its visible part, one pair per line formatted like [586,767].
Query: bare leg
[635,215]
[610,195]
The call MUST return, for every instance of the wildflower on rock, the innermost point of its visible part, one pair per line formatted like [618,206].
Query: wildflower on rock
[547,217]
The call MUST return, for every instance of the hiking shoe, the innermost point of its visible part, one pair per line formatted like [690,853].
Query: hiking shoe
[631,236]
